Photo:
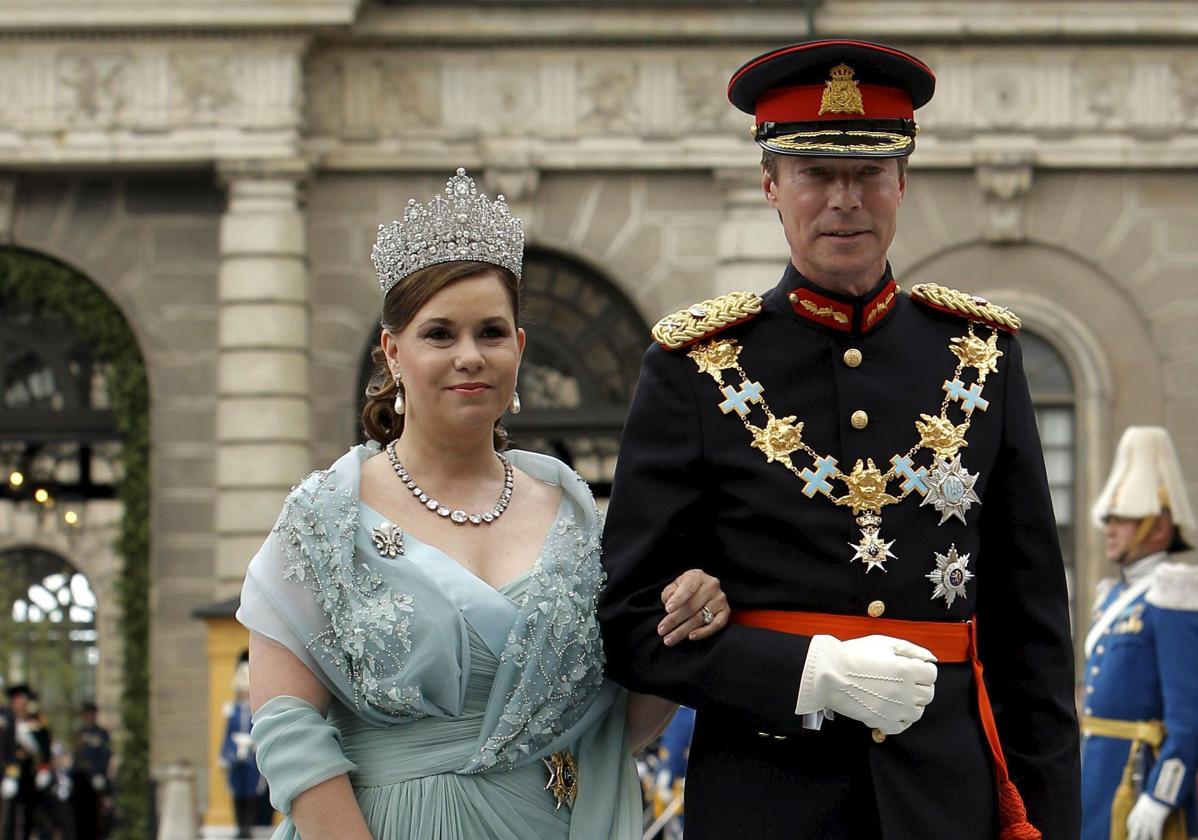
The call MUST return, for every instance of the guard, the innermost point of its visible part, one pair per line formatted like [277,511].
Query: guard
[1140,722]
[858,463]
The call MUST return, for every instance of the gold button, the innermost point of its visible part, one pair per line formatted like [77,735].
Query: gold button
[878,735]
[859,419]
[876,608]
[793,298]
[852,357]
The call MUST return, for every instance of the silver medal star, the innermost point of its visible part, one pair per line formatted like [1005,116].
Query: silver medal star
[950,489]
[950,575]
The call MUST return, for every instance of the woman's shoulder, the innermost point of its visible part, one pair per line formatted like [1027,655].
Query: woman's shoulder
[551,470]
[340,479]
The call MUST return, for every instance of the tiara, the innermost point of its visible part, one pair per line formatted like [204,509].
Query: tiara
[460,225]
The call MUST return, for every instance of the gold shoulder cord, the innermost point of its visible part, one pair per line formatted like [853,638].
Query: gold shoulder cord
[686,326]
[947,486]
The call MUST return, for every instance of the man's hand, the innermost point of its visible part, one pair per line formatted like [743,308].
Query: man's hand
[1147,819]
[695,608]
[883,682]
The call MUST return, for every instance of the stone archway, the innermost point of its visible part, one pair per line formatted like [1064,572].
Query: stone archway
[74,483]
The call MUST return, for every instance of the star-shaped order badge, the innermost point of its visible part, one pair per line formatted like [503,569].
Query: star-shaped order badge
[872,550]
[563,778]
[950,489]
[950,575]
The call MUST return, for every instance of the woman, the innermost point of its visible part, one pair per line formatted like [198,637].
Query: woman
[453,646]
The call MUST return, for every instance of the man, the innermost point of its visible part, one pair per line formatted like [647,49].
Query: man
[237,753]
[1140,753]
[861,469]
[28,779]
[90,773]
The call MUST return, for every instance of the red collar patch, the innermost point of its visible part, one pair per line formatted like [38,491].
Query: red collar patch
[857,317]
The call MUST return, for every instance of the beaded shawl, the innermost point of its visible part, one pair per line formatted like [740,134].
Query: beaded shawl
[390,644]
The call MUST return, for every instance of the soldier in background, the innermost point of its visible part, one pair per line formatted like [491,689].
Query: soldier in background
[237,753]
[28,778]
[1140,704]
[90,774]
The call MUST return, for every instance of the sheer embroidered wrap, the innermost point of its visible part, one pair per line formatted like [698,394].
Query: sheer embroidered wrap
[397,650]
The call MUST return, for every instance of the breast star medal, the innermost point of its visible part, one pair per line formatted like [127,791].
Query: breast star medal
[950,575]
[563,778]
[950,489]
[387,539]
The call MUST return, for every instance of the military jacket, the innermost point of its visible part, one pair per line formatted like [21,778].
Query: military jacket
[1142,665]
[691,490]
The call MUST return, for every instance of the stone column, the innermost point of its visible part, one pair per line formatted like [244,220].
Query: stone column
[752,250]
[263,429]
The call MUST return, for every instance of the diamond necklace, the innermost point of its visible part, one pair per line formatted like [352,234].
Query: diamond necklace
[458,516]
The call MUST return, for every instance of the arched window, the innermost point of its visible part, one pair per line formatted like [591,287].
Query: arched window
[59,441]
[48,630]
[581,362]
[1053,397]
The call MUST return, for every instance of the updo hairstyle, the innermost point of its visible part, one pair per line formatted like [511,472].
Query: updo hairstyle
[403,301]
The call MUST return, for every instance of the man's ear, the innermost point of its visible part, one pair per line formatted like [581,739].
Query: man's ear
[769,187]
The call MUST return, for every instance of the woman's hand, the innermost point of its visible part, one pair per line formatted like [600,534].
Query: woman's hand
[695,608]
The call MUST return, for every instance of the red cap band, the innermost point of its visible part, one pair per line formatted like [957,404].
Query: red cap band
[802,103]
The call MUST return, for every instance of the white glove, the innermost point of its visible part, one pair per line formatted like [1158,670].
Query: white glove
[1147,819]
[99,782]
[244,745]
[881,681]
[9,787]
[43,779]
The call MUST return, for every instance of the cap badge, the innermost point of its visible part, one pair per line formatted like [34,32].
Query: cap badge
[841,95]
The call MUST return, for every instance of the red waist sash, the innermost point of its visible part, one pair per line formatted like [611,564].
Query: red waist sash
[949,642]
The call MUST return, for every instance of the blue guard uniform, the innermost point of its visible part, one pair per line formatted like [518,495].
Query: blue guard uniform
[1140,707]
[1142,670]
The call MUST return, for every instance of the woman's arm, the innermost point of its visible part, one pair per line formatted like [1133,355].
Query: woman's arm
[647,717]
[684,599]
[326,810]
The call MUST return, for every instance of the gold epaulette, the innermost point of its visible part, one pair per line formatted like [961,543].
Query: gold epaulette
[686,326]
[968,306]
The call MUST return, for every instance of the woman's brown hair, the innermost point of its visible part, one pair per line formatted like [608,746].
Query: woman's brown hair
[403,301]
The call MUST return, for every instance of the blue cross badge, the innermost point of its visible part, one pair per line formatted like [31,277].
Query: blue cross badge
[914,480]
[738,401]
[970,397]
[818,480]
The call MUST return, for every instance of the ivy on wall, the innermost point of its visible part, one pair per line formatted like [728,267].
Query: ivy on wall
[44,284]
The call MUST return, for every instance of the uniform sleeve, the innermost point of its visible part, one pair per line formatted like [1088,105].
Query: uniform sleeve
[1174,596]
[658,527]
[1023,621]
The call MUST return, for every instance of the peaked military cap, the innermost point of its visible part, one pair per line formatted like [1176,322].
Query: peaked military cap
[834,98]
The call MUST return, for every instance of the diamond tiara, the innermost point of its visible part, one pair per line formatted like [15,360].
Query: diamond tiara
[463,224]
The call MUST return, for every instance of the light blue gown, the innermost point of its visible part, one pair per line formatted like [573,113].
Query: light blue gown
[447,692]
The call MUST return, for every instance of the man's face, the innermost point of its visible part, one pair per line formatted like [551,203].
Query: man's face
[839,216]
[1118,533]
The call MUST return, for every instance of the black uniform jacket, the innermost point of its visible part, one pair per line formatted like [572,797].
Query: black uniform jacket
[691,492]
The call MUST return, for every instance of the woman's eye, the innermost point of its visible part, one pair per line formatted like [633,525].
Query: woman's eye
[494,332]
[438,334]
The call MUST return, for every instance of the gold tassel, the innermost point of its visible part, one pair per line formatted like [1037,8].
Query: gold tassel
[1125,795]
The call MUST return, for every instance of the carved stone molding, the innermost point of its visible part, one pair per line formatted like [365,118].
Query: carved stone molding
[1004,180]
[101,101]
[598,106]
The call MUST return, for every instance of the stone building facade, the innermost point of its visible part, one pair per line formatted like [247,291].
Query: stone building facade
[219,169]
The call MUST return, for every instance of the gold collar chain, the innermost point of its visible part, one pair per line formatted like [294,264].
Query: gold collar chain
[947,486]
